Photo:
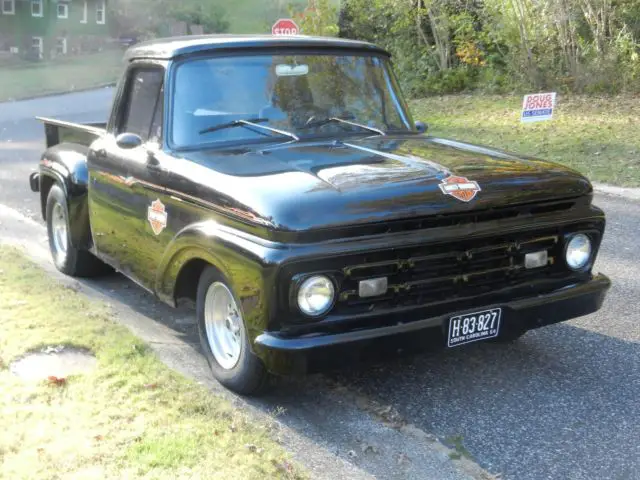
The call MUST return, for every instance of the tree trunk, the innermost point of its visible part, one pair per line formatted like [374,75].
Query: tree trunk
[521,17]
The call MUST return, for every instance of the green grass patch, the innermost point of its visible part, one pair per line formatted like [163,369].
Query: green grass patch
[132,417]
[457,443]
[599,137]
[27,79]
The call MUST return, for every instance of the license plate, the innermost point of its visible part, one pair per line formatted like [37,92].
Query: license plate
[472,327]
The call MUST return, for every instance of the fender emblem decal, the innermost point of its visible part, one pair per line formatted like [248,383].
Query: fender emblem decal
[157,216]
[461,188]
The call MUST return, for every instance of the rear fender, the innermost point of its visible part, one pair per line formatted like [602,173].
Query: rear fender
[66,164]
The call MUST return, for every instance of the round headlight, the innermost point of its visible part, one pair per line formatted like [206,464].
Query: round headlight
[316,295]
[578,251]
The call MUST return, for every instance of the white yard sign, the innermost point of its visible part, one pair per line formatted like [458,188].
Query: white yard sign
[538,107]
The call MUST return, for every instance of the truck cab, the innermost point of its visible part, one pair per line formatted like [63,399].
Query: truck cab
[281,185]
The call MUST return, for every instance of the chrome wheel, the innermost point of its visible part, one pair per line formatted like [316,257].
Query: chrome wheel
[223,324]
[59,231]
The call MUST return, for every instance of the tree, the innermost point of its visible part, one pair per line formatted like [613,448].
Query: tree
[451,45]
[209,16]
[319,18]
[141,19]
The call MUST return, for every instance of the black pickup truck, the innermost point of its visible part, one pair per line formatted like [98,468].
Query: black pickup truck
[281,185]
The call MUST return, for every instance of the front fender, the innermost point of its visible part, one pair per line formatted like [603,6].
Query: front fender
[66,164]
[248,266]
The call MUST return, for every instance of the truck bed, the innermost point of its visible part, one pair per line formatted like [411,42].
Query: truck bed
[60,131]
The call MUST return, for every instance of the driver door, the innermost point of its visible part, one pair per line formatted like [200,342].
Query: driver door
[123,179]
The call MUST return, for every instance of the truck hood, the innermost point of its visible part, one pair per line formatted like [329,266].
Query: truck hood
[312,185]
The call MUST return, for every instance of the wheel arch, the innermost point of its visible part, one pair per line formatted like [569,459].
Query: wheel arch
[246,271]
[66,165]
[186,285]
[46,182]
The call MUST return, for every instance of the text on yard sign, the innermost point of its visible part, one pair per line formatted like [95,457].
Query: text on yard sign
[537,107]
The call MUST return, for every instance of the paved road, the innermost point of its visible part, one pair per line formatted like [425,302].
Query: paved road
[563,402]
[22,138]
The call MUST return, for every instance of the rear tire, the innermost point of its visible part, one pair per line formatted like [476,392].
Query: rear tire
[224,339]
[67,258]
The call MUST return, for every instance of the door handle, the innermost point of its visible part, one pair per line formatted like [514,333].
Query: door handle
[101,153]
[155,168]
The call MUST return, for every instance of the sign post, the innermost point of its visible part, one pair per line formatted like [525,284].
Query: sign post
[285,27]
[538,107]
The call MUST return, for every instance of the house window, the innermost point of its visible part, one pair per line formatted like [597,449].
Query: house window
[9,7]
[84,13]
[37,46]
[100,13]
[61,46]
[63,10]
[36,9]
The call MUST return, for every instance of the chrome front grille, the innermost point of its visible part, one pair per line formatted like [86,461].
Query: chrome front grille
[444,272]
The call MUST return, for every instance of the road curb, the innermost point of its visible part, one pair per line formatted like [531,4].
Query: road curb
[626,192]
[63,92]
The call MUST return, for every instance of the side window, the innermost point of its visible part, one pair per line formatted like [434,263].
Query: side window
[155,134]
[144,104]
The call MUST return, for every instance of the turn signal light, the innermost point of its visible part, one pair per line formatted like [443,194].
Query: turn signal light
[536,259]
[372,287]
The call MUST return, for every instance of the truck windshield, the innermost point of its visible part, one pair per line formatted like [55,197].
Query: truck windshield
[299,94]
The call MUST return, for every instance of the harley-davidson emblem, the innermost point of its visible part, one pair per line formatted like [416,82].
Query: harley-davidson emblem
[461,188]
[157,216]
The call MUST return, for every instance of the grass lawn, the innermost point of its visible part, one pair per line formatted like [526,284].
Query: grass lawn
[27,79]
[599,137]
[132,417]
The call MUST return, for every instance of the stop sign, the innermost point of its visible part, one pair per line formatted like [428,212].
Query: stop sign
[285,26]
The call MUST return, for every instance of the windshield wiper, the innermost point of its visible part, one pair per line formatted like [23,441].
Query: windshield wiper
[325,121]
[249,123]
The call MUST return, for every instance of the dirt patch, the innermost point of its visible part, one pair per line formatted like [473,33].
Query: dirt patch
[53,361]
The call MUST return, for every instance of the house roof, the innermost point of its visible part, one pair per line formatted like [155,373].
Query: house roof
[167,48]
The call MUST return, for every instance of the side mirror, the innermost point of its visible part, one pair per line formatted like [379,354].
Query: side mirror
[127,141]
[421,127]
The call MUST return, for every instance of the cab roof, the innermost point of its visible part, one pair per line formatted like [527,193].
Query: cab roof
[172,47]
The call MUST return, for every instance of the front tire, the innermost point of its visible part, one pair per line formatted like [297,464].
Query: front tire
[67,258]
[224,339]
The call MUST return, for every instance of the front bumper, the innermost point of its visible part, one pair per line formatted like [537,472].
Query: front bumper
[303,354]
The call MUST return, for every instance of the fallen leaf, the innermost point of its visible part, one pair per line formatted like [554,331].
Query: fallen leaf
[57,381]
[369,449]
[98,438]
[151,386]
[284,466]
[253,448]
[403,458]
